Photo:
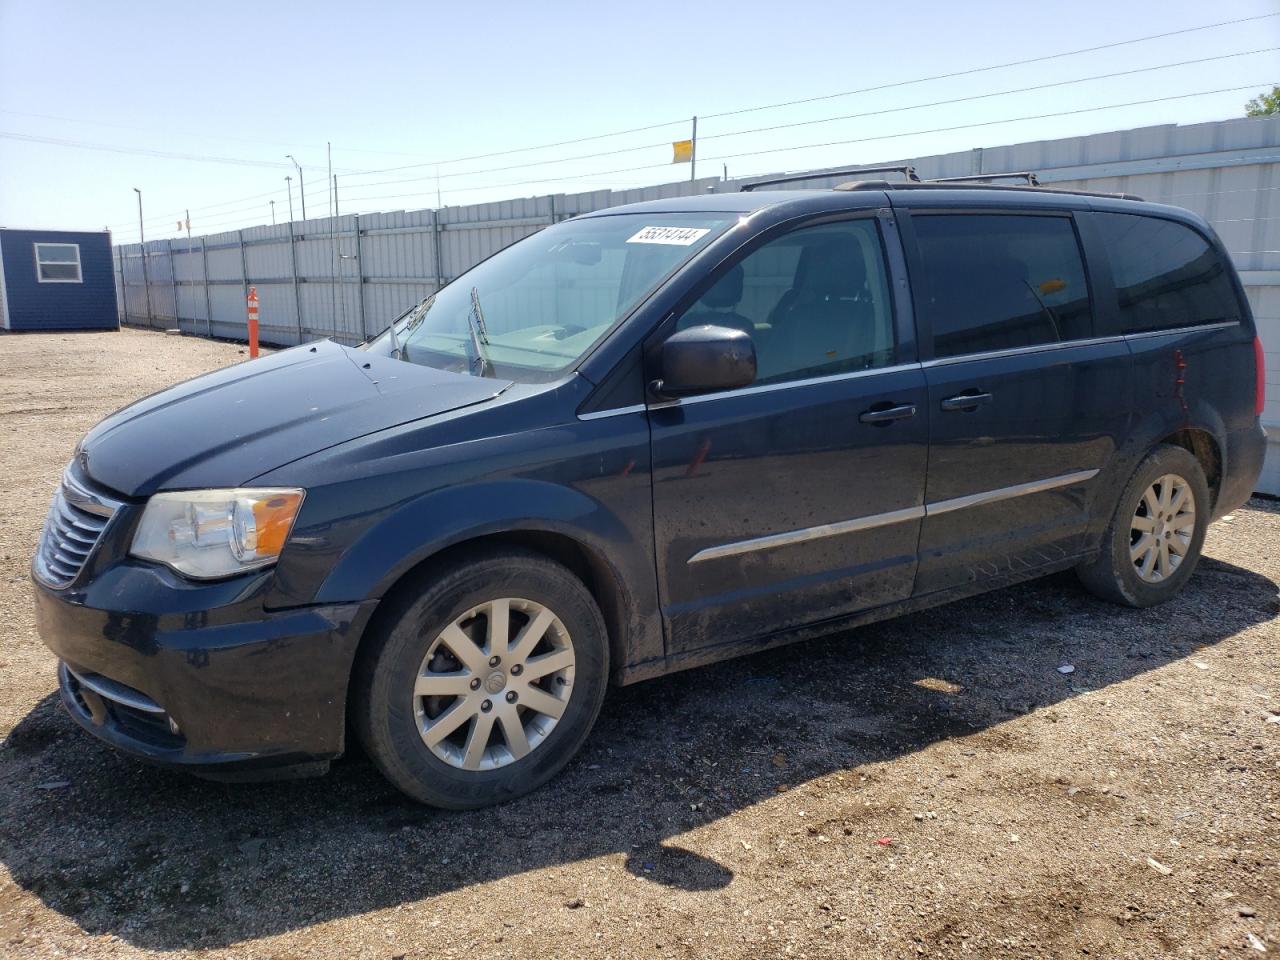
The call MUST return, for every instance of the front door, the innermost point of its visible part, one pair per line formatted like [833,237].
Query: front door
[799,498]
[1026,403]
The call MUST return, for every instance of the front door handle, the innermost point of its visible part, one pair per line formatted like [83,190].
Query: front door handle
[965,401]
[882,416]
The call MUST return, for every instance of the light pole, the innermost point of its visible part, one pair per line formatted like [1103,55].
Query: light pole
[302,189]
[273,213]
[289,186]
[142,242]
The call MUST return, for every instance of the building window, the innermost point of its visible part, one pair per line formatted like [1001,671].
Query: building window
[58,263]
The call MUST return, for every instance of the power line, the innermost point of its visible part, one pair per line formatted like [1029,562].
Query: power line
[998,66]
[803,123]
[987,96]
[858,140]
[896,84]
[655,126]
[140,151]
[831,96]
[503,153]
[990,123]
[807,146]
[202,136]
[224,203]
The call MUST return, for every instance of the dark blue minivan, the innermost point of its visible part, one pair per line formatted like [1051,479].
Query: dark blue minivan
[639,441]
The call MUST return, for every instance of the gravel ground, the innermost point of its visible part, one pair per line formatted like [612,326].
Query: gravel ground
[930,786]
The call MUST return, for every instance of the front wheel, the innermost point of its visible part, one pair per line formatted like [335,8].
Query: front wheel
[1154,539]
[483,684]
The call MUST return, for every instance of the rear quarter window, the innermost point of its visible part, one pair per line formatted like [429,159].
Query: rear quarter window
[1166,274]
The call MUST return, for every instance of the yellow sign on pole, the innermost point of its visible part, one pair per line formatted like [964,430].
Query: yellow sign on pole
[682,151]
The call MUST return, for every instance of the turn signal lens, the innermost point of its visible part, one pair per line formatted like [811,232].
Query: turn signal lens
[274,519]
[209,534]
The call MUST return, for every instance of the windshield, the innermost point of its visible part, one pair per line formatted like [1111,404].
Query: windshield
[531,311]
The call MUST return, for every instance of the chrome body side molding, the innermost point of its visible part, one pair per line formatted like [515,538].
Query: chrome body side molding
[1008,493]
[808,533]
[894,516]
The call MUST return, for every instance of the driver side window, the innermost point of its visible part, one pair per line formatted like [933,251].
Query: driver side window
[815,302]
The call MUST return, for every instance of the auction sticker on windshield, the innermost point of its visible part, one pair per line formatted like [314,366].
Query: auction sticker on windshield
[675,236]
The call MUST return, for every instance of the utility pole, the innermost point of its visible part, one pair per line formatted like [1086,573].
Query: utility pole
[289,186]
[693,152]
[273,213]
[193,289]
[328,152]
[142,242]
[302,187]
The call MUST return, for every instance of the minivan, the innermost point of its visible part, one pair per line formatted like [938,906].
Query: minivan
[638,441]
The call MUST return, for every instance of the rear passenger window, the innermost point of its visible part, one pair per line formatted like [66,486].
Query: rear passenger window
[815,301]
[1166,274]
[994,282]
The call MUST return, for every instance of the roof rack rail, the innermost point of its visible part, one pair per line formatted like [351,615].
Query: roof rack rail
[906,170]
[948,185]
[1028,178]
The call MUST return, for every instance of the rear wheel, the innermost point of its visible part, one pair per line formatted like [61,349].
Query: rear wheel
[484,683]
[1154,539]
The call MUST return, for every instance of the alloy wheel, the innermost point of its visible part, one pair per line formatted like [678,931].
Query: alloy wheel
[493,684]
[1162,527]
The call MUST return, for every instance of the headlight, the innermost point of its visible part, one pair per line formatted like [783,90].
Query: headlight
[208,534]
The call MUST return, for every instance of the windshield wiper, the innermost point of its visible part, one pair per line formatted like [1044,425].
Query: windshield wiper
[395,344]
[411,318]
[479,335]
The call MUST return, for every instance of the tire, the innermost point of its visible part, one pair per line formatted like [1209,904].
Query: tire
[424,698]
[1127,571]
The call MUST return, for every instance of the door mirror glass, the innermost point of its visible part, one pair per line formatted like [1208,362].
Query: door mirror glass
[705,359]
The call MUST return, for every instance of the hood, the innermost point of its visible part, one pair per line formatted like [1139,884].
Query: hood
[227,427]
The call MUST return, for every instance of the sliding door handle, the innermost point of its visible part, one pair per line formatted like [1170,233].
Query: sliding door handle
[965,401]
[880,415]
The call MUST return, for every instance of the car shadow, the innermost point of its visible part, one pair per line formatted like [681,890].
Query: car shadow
[164,861]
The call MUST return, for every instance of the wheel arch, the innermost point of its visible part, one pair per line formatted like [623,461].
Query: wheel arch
[588,564]
[1205,447]
[1194,425]
[610,550]
[1198,429]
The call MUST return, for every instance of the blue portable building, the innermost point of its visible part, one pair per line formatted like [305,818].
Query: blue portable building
[57,280]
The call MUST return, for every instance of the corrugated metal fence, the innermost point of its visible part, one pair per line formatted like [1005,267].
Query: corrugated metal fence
[342,277]
[347,277]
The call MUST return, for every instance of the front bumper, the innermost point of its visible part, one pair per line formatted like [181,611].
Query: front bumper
[202,676]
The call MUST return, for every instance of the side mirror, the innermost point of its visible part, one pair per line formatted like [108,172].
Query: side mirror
[705,359]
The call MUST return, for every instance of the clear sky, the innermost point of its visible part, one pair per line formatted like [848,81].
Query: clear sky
[209,97]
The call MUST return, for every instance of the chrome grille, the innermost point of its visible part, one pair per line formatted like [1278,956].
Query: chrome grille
[75,522]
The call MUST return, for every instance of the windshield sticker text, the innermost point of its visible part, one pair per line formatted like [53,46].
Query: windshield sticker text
[675,236]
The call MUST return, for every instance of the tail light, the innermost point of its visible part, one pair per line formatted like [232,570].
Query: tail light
[1260,364]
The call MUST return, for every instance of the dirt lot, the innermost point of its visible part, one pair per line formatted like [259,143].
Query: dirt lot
[931,786]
